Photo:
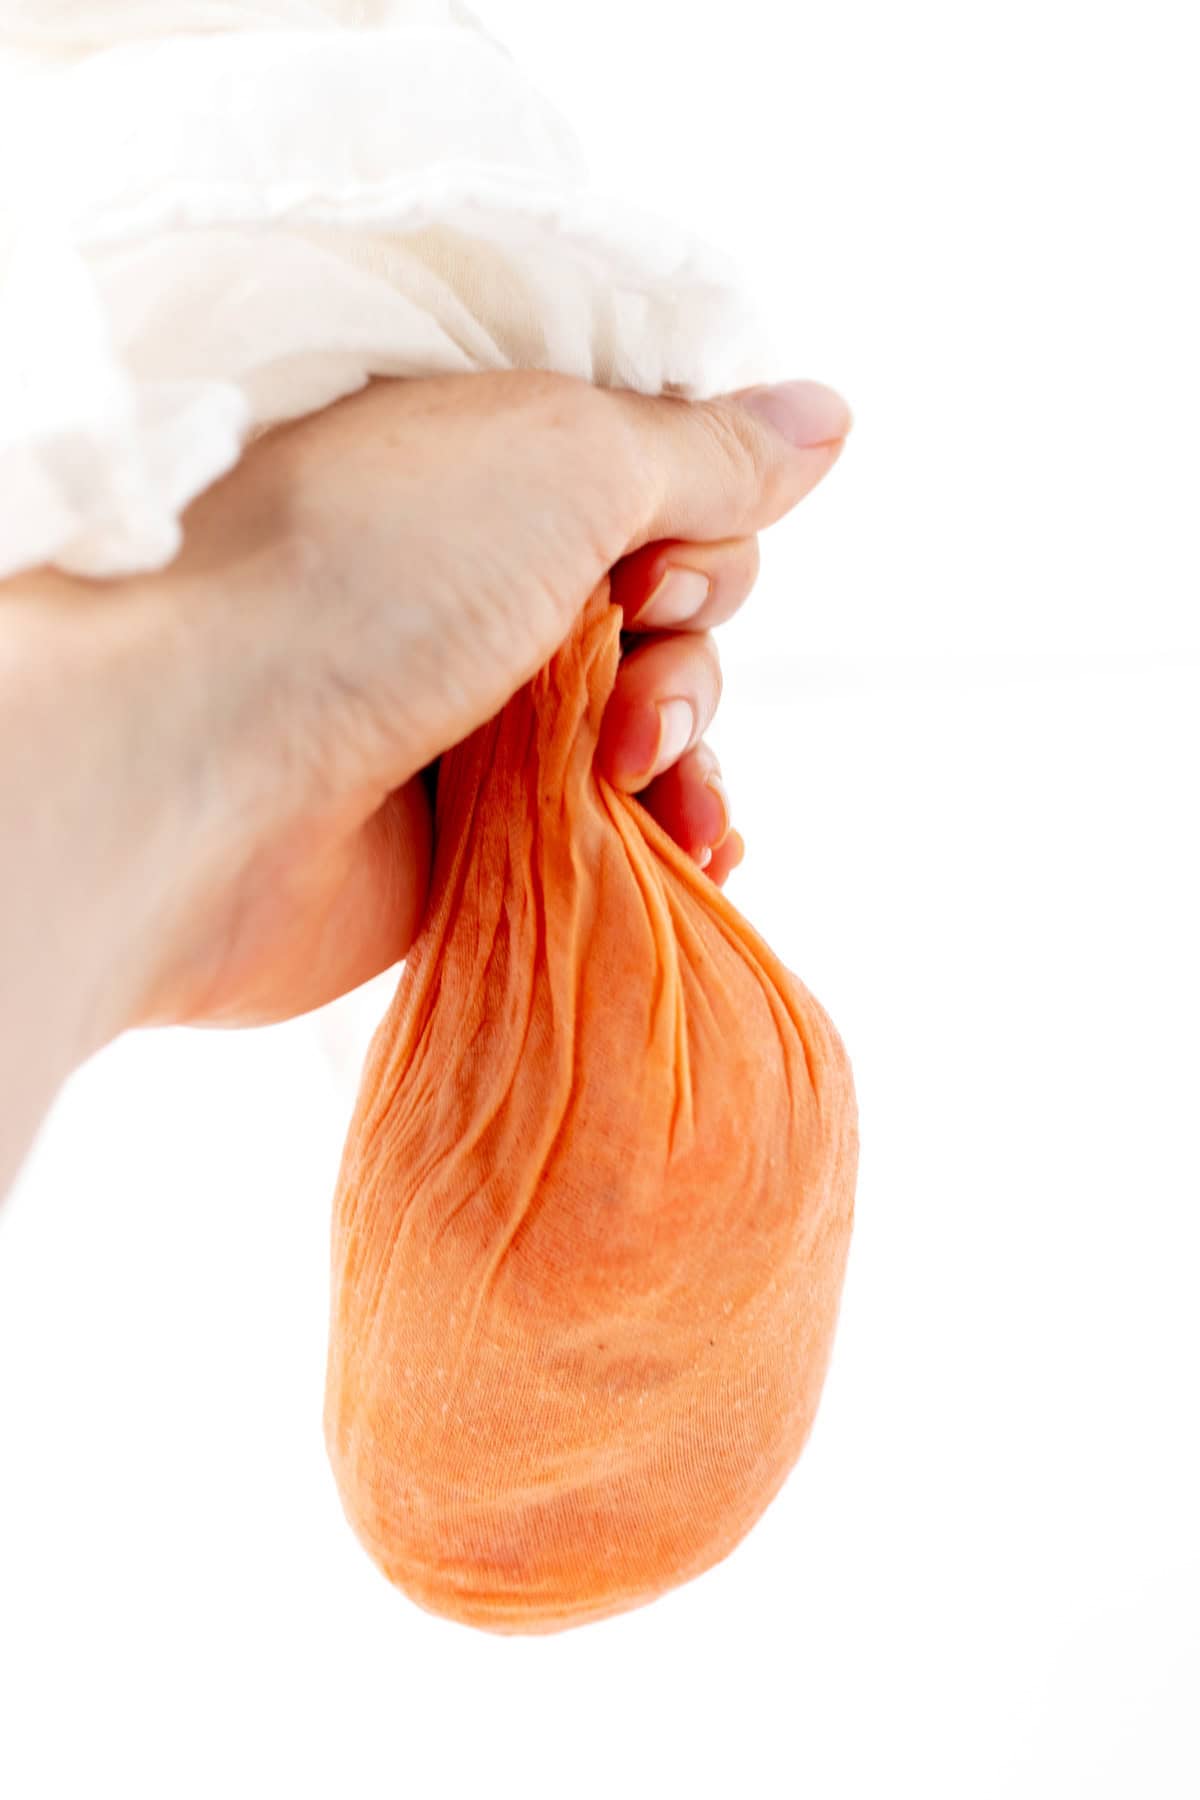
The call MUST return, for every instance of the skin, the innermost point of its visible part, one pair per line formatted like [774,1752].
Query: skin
[212,799]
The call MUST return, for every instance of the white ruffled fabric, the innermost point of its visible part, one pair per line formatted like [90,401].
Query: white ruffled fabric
[220,214]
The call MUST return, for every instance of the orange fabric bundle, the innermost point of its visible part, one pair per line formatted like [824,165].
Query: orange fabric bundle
[595,1204]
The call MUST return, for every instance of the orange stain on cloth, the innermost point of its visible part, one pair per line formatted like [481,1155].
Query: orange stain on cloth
[594,1207]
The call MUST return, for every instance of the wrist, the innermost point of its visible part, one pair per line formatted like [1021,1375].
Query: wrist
[106,816]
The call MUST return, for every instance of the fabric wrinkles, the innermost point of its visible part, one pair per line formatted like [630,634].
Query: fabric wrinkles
[586,1275]
[232,215]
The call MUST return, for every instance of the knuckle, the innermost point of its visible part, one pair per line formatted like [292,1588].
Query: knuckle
[630,425]
[593,449]
[740,444]
[563,399]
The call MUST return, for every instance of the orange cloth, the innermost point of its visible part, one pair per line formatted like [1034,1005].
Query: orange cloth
[595,1204]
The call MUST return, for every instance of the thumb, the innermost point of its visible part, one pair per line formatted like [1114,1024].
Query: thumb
[729,467]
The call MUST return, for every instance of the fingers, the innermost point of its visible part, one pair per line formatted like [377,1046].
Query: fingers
[727,468]
[650,744]
[715,473]
[690,803]
[682,586]
[725,858]
[665,695]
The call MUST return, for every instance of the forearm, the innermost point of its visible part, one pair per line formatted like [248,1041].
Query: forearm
[88,830]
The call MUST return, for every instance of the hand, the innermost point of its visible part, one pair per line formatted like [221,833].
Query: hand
[368,586]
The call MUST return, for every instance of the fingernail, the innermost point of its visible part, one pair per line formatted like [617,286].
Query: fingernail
[718,787]
[679,595]
[806,413]
[677,723]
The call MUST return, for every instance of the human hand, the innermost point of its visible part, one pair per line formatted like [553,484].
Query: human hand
[367,587]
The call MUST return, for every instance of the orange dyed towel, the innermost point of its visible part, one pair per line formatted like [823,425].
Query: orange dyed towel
[594,1208]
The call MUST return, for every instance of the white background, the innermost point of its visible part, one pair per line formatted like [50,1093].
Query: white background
[962,734]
